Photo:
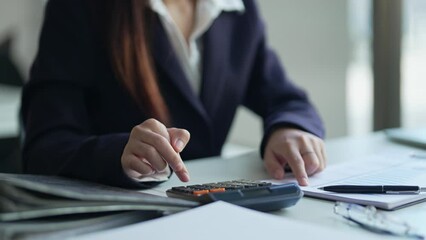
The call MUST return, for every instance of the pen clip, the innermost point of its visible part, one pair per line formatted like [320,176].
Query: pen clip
[401,189]
[403,192]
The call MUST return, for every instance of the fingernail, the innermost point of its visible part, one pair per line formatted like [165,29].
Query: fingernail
[179,145]
[305,181]
[164,169]
[185,177]
[310,170]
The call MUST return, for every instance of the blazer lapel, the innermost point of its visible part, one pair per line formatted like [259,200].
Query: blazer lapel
[213,60]
[166,59]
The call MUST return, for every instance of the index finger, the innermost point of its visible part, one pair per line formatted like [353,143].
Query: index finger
[295,160]
[172,158]
[165,149]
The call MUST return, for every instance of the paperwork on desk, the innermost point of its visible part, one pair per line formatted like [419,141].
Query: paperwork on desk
[25,196]
[381,169]
[220,220]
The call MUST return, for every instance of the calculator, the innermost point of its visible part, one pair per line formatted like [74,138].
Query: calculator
[258,195]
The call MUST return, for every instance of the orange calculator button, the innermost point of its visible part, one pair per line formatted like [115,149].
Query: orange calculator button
[200,192]
[217,190]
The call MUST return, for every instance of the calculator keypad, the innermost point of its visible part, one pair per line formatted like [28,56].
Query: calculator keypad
[201,189]
[258,195]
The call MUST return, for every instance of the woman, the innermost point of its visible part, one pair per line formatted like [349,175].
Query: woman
[119,87]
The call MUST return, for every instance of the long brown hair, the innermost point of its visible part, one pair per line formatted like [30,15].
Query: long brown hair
[127,33]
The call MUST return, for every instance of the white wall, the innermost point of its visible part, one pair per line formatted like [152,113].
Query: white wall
[22,19]
[311,37]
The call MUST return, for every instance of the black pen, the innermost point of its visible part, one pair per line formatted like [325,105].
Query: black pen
[396,189]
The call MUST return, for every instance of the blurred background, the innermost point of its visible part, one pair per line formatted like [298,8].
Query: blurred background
[360,61]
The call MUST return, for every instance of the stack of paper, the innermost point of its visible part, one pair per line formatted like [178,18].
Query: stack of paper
[33,196]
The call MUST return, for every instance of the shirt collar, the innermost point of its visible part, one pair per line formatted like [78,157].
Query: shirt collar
[221,5]
[228,5]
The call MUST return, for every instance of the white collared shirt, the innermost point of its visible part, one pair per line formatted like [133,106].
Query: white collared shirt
[190,54]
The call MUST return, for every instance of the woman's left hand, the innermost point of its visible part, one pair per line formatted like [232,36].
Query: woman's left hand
[302,151]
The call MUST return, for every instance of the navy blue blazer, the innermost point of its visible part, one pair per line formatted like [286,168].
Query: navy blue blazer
[77,116]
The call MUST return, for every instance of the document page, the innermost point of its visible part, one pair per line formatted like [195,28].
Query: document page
[378,169]
[221,220]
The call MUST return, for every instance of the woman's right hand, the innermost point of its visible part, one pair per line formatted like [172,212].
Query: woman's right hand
[152,148]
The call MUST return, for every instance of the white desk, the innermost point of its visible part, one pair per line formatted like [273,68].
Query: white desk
[315,211]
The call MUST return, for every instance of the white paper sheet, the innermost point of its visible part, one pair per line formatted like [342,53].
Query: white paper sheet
[372,170]
[222,220]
